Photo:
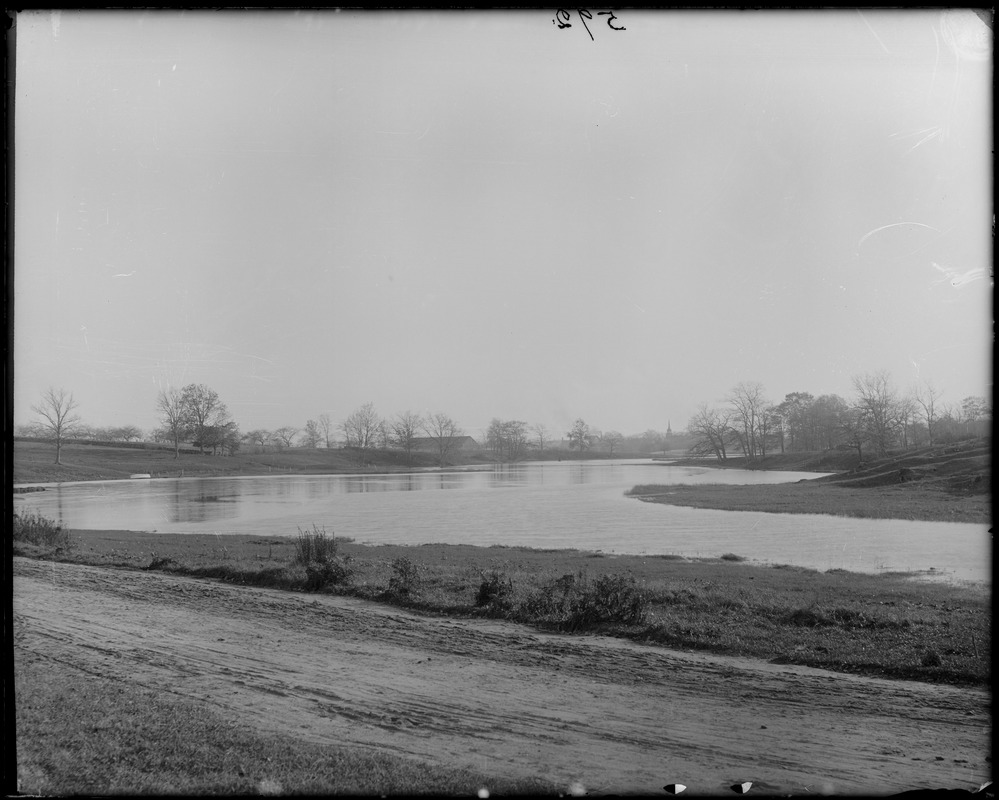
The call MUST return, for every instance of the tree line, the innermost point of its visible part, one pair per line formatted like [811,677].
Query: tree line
[196,415]
[878,417]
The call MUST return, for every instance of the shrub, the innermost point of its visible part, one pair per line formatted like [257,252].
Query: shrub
[318,553]
[573,603]
[611,599]
[321,574]
[732,557]
[931,658]
[315,546]
[35,529]
[405,577]
[494,592]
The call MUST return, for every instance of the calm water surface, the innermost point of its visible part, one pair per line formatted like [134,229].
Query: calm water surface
[539,504]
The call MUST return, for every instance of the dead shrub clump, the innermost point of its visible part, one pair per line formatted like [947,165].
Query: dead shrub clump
[318,553]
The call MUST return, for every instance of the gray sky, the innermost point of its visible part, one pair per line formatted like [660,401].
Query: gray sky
[483,214]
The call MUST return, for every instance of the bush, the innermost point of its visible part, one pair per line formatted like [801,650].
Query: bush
[315,546]
[494,592]
[573,603]
[319,554]
[612,599]
[322,574]
[405,577]
[35,529]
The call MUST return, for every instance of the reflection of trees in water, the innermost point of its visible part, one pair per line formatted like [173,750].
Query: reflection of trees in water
[514,475]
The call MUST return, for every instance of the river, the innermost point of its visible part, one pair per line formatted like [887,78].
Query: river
[538,504]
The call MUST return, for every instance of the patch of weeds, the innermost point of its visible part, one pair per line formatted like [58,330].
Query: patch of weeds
[33,528]
[494,592]
[315,545]
[405,578]
[574,603]
[611,599]
[319,554]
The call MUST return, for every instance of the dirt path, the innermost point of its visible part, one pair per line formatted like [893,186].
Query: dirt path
[502,698]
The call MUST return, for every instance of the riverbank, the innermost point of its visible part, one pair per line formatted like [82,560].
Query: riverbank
[908,502]
[947,483]
[33,462]
[885,625]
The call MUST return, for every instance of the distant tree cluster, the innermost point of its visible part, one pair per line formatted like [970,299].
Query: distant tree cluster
[878,417]
[196,414]
[364,430]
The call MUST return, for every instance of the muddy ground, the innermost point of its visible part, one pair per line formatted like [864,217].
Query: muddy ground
[501,698]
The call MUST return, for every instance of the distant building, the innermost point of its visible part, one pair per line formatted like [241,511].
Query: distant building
[460,444]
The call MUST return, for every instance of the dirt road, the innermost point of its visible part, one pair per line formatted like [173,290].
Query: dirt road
[610,715]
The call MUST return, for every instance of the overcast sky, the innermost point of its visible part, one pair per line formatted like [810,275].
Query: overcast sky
[484,214]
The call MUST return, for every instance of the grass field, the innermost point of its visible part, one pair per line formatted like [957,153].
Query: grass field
[887,625]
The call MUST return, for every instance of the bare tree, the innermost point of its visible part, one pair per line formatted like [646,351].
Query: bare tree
[285,437]
[749,403]
[541,437]
[361,428]
[711,431]
[507,439]
[326,428]
[204,409]
[907,409]
[612,441]
[881,407]
[856,429]
[173,415]
[258,437]
[404,430]
[444,432]
[58,418]
[926,396]
[313,435]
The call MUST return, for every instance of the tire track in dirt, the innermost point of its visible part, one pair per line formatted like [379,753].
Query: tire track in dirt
[499,697]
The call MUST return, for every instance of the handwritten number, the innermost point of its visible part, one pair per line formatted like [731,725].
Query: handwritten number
[562,17]
[610,20]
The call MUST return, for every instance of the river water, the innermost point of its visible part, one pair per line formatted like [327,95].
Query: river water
[538,504]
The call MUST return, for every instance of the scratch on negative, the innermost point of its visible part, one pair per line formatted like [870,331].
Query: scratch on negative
[868,235]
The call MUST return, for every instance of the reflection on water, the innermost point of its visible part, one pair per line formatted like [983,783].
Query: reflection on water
[547,504]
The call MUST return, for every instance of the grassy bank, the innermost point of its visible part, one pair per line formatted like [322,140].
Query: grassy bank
[885,625]
[33,463]
[82,734]
[911,502]
[948,483]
